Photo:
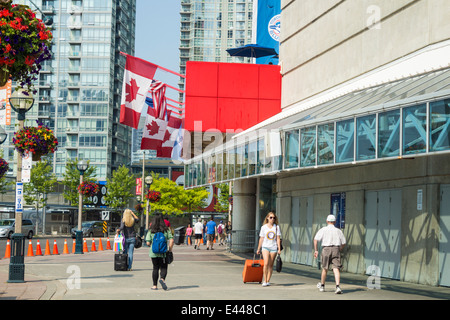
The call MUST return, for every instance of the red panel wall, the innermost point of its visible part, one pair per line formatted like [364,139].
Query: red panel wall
[230,95]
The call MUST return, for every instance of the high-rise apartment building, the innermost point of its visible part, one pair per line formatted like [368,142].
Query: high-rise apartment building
[79,89]
[209,27]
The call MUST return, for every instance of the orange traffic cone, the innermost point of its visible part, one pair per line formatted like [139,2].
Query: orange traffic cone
[93,248]
[100,245]
[85,248]
[8,249]
[30,249]
[66,248]
[38,249]
[108,244]
[47,249]
[55,248]
[74,244]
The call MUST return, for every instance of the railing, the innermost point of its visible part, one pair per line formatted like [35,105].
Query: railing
[243,241]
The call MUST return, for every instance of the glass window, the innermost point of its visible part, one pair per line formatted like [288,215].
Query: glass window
[365,137]
[219,164]
[345,141]
[261,157]
[252,158]
[325,143]
[225,165]
[245,160]
[414,129]
[203,173]
[389,134]
[291,152]
[440,125]
[198,171]
[231,158]
[308,147]
[238,162]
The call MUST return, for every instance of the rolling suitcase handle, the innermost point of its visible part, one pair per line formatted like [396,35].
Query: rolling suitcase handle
[256,264]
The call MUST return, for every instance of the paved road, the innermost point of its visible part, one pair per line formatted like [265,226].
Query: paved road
[195,275]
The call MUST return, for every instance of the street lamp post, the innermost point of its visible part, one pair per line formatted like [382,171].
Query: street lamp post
[148,182]
[82,166]
[21,101]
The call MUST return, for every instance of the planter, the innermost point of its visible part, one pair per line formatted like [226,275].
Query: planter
[3,167]
[36,156]
[38,140]
[154,196]
[24,46]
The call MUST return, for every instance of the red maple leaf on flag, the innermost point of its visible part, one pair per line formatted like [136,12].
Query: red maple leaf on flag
[153,128]
[131,90]
[166,136]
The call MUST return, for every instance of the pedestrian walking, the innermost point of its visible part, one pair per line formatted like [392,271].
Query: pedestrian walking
[129,219]
[198,232]
[221,233]
[189,235]
[159,260]
[211,230]
[228,230]
[333,241]
[204,233]
[269,245]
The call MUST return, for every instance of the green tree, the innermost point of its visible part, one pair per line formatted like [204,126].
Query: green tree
[222,204]
[194,199]
[171,195]
[119,188]
[42,182]
[71,180]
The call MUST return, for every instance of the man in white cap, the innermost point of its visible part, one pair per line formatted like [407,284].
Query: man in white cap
[333,241]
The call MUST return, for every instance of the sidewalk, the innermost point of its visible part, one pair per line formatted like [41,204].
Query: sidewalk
[194,275]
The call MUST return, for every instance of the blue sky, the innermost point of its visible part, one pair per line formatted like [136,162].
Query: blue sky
[158,37]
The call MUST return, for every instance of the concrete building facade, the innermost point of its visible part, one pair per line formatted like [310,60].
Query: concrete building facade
[363,134]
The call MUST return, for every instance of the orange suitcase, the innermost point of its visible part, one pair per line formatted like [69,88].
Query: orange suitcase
[253,270]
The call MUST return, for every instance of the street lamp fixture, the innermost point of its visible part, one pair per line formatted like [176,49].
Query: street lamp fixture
[3,135]
[21,101]
[148,180]
[82,166]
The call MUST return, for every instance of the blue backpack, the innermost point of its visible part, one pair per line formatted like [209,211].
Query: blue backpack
[159,243]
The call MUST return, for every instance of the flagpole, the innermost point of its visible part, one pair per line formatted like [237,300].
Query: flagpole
[162,68]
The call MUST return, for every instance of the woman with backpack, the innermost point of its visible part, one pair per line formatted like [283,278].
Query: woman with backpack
[160,240]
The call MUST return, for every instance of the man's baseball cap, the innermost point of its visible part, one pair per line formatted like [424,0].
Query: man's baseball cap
[331,218]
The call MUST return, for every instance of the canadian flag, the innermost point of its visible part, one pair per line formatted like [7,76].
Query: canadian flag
[160,134]
[137,79]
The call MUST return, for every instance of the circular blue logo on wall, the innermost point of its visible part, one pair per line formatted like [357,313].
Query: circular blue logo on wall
[274,27]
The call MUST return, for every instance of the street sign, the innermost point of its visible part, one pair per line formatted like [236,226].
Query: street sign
[19,197]
[105,215]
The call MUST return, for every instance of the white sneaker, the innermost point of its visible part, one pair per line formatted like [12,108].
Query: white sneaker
[265,284]
[321,287]
[338,290]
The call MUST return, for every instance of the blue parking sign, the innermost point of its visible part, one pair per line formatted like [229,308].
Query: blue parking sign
[19,197]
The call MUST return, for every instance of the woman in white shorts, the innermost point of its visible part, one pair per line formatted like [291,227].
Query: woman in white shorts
[269,245]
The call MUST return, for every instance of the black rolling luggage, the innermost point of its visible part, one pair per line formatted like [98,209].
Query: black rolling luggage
[120,262]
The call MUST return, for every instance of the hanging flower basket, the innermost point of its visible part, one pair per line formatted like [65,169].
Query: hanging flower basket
[3,167]
[38,140]
[25,44]
[88,188]
[154,196]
